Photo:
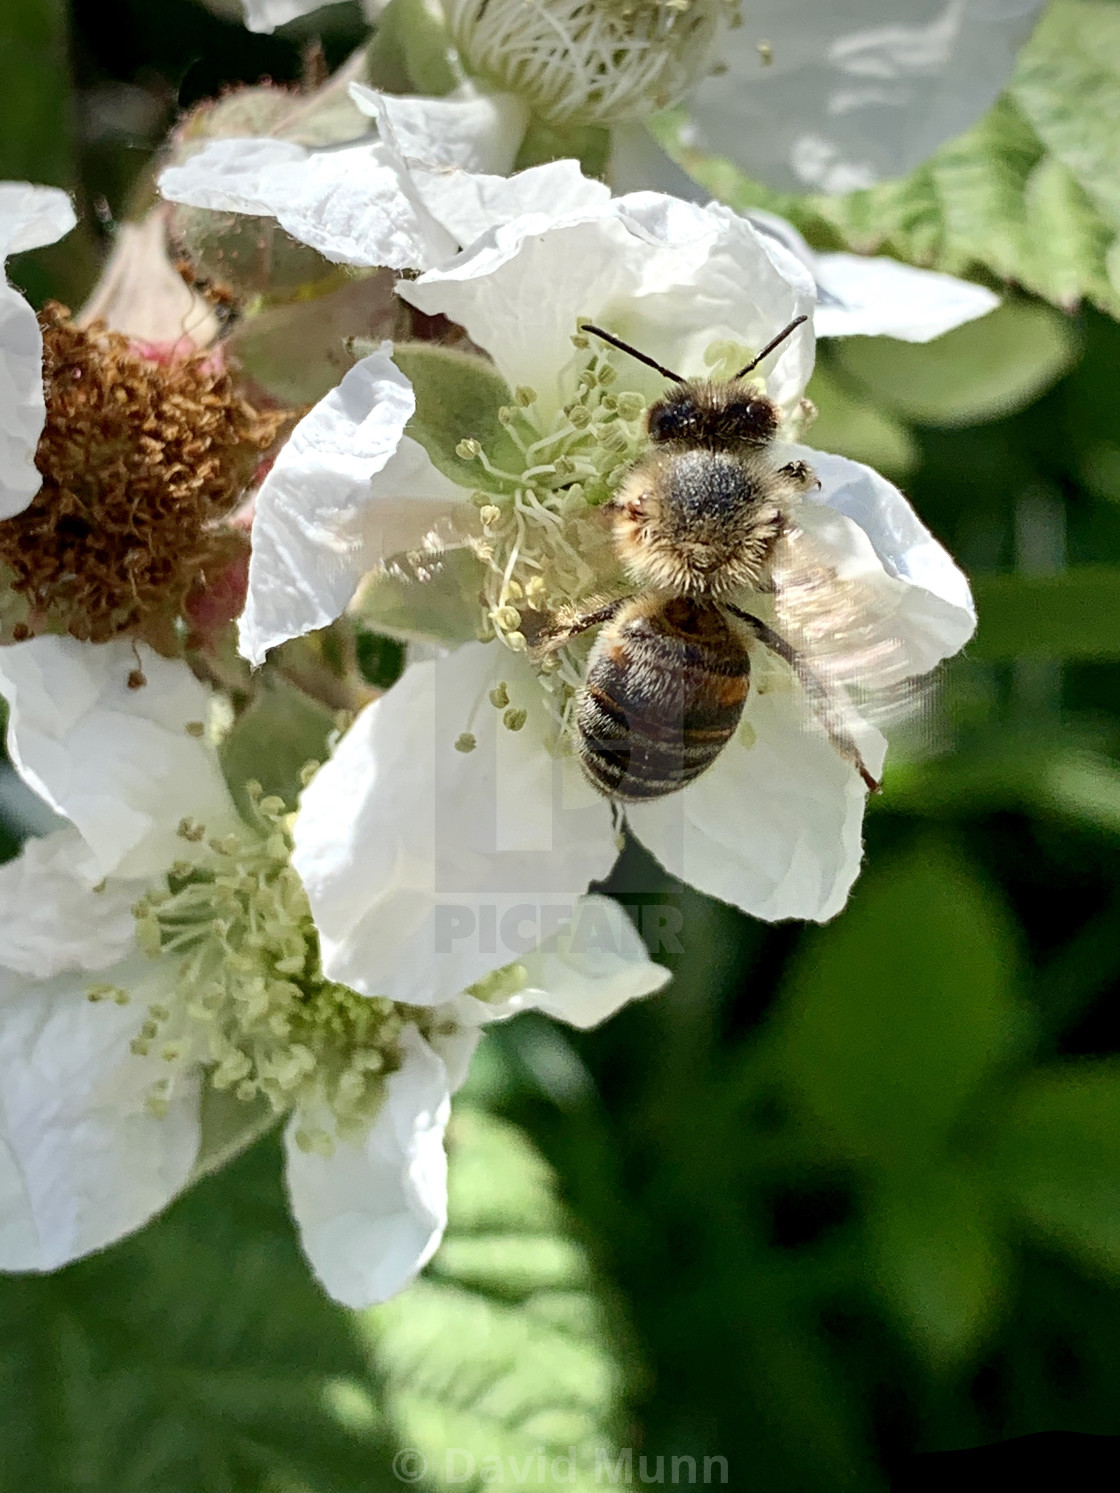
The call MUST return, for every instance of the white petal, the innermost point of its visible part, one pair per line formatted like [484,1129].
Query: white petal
[371,1215]
[348,490]
[882,298]
[119,763]
[856,90]
[773,828]
[353,203]
[594,964]
[428,867]
[266,15]
[475,132]
[51,920]
[669,276]
[936,615]
[29,217]
[82,1161]
[469,204]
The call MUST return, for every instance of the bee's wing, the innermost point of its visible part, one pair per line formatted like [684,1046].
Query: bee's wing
[835,603]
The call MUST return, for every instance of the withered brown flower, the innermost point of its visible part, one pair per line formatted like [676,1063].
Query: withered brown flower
[143,454]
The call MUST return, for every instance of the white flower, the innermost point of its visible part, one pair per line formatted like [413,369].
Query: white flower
[29,218]
[833,95]
[822,95]
[126,987]
[453,823]
[432,182]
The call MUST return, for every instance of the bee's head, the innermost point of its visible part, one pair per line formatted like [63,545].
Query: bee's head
[720,416]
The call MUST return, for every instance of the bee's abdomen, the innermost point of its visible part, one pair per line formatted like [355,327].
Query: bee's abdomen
[664,691]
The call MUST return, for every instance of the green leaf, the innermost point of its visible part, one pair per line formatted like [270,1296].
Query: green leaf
[897,1013]
[198,1355]
[1058,1158]
[981,371]
[1068,86]
[1073,614]
[936,1254]
[503,1351]
[458,396]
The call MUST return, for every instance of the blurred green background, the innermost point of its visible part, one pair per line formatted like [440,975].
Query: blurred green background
[841,1194]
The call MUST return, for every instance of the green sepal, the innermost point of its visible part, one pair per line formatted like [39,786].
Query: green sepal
[589,144]
[228,1127]
[443,609]
[411,51]
[458,395]
[271,741]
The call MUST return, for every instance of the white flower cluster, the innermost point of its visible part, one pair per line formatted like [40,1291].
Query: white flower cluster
[176,950]
[822,95]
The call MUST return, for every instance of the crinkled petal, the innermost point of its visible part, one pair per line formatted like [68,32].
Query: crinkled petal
[855,90]
[882,298]
[51,920]
[669,276]
[348,490]
[119,763]
[372,1214]
[773,828]
[935,615]
[590,967]
[266,15]
[469,204]
[427,867]
[471,130]
[353,204]
[30,216]
[358,204]
[82,1160]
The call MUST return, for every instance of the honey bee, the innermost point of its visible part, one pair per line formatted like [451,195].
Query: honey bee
[697,520]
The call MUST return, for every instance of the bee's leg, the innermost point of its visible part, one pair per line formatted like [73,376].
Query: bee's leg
[562,626]
[799,475]
[819,695]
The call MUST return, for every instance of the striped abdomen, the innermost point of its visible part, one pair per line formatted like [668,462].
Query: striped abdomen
[665,688]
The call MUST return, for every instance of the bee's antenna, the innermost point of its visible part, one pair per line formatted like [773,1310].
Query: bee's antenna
[642,358]
[770,346]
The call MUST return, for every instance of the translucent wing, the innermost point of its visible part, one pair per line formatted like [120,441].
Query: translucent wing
[834,602]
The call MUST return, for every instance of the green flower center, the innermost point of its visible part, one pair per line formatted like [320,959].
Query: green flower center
[252,1006]
[589,61]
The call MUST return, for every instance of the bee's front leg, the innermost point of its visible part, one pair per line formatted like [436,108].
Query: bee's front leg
[546,632]
[820,697]
[799,475]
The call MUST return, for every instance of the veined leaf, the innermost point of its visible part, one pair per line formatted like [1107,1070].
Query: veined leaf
[501,1357]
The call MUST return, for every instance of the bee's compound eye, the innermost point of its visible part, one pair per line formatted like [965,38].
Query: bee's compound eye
[755,420]
[672,420]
